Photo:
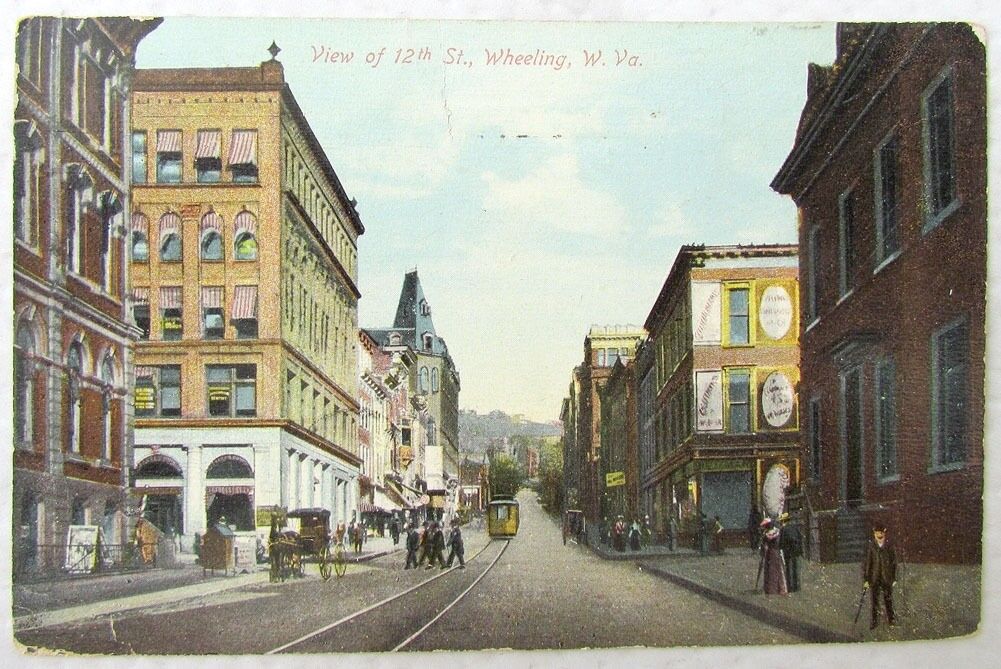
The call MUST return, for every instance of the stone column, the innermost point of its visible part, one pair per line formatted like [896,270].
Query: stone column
[293,480]
[194,492]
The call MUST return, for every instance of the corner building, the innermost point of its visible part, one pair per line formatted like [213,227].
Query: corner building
[244,282]
[889,173]
[720,394]
[72,337]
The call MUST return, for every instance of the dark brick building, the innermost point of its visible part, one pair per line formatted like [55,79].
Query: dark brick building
[888,171]
[72,419]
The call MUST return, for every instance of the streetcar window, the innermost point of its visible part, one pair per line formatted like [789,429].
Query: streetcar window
[501,513]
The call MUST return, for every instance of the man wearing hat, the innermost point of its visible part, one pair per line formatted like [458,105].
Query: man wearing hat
[880,574]
[791,544]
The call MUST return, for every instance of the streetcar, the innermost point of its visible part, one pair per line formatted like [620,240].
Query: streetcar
[502,518]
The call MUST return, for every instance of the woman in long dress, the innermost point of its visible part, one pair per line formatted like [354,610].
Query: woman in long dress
[774,567]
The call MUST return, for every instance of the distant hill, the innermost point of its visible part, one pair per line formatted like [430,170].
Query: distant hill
[477,431]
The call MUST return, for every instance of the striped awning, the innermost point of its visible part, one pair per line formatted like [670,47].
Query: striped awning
[140,295]
[208,144]
[212,297]
[212,221]
[244,302]
[139,223]
[144,371]
[245,222]
[243,149]
[170,297]
[170,223]
[168,141]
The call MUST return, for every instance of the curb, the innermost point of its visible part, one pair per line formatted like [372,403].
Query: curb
[804,630]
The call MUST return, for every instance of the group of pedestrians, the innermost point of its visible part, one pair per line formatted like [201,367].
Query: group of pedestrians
[430,542]
[780,545]
[636,534]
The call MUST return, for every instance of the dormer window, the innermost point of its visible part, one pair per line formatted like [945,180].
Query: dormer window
[428,341]
[425,308]
[395,339]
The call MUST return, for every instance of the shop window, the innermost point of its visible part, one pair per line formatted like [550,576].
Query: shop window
[139,157]
[158,391]
[950,360]
[232,390]
[738,402]
[939,149]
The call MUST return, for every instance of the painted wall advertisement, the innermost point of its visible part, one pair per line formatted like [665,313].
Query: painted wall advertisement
[706,328]
[777,399]
[709,400]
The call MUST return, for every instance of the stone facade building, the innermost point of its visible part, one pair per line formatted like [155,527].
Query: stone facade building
[888,172]
[72,357]
[244,283]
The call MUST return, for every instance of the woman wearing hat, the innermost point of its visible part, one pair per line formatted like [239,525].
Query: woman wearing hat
[774,565]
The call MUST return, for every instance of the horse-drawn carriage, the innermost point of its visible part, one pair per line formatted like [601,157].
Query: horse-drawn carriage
[289,549]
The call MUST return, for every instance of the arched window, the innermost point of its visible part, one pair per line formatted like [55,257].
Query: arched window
[140,246]
[422,380]
[229,467]
[24,387]
[170,237]
[74,364]
[79,191]
[245,237]
[158,467]
[434,380]
[211,236]
[108,379]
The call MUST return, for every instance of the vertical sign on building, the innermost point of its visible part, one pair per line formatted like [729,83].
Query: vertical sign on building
[709,400]
[706,310]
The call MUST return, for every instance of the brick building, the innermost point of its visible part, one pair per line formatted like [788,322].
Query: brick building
[244,283]
[719,396]
[72,366]
[618,471]
[888,171]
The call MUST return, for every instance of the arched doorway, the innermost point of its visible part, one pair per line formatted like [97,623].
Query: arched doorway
[159,479]
[229,497]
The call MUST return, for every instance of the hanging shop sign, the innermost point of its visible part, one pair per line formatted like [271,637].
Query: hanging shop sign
[613,479]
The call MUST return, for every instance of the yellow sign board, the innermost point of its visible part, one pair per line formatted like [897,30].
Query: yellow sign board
[613,479]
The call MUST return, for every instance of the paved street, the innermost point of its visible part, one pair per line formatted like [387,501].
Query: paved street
[539,594]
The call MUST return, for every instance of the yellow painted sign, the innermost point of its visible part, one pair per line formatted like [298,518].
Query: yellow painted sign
[613,479]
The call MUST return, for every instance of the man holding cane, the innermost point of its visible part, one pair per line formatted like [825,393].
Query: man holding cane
[880,574]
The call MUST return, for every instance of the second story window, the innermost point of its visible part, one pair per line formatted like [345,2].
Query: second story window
[171,324]
[739,316]
[139,157]
[232,390]
[213,322]
[738,402]
[846,242]
[158,390]
[140,310]
[887,238]
[243,156]
[168,156]
[208,152]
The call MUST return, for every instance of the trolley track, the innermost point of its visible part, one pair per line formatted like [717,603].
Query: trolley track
[388,624]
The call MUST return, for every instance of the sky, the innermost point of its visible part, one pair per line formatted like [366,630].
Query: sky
[535,200]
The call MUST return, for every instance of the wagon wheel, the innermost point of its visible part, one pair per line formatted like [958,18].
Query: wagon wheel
[287,563]
[340,563]
[323,559]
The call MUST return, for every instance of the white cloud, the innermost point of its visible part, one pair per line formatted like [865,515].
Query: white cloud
[671,223]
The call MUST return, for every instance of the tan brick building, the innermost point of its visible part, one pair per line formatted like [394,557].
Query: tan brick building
[244,281]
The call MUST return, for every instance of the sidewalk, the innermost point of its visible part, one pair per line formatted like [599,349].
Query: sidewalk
[931,600]
[59,601]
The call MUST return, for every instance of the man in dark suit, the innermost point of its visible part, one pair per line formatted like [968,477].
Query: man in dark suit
[880,573]
[791,543]
[413,541]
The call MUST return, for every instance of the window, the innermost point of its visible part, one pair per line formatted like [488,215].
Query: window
[245,236]
[213,322]
[813,440]
[80,191]
[158,391]
[27,158]
[244,312]
[601,357]
[428,341]
[170,237]
[885,167]
[171,323]
[939,149]
[140,310]
[24,387]
[108,380]
[949,396]
[229,467]
[611,355]
[243,156]
[74,367]
[434,380]
[846,240]
[139,157]
[168,156]
[740,316]
[211,247]
[423,380]
[812,274]
[232,391]
[95,100]
[208,162]
[886,422]
[140,238]
[738,403]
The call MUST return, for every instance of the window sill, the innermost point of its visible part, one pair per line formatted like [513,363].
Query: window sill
[27,246]
[932,222]
[886,261]
[844,297]
[945,469]
[889,480]
[812,324]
